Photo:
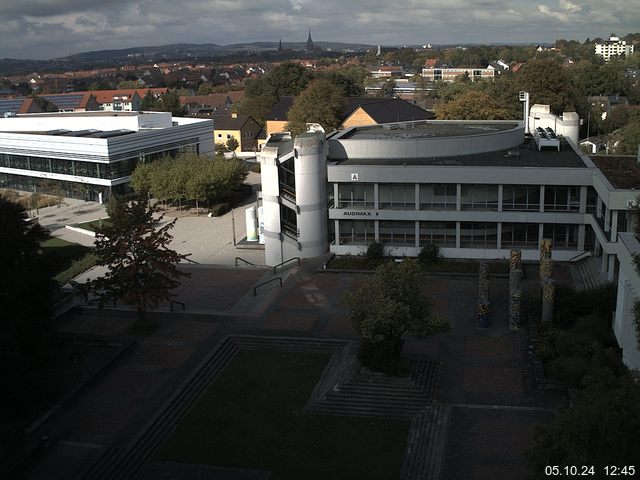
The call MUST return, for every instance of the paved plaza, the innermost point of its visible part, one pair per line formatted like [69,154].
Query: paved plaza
[485,381]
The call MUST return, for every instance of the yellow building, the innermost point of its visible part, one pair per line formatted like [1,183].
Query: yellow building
[241,127]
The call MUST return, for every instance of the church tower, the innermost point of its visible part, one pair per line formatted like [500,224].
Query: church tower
[309,46]
[280,45]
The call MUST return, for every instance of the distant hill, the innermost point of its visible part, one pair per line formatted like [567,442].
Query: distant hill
[175,52]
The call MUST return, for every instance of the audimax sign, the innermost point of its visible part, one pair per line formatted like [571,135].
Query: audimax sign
[359,213]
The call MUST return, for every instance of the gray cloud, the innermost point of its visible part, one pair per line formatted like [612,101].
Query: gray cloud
[54,28]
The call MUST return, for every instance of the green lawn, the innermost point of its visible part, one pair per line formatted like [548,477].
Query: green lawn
[252,417]
[93,224]
[65,259]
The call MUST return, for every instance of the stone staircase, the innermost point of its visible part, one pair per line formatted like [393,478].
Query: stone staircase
[586,274]
[426,445]
[373,394]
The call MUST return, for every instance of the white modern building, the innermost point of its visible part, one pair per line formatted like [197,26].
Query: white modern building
[91,155]
[477,189]
[614,47]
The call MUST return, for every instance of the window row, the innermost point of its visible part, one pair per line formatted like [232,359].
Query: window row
[443,234]
[472,197]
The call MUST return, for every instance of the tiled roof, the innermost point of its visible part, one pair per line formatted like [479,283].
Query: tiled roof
[389,110]
[227,122]
[212,100]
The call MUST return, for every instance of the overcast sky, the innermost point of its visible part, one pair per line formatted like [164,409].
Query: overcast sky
[56,28]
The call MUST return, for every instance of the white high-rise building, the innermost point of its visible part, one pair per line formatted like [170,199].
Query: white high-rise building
[613,47]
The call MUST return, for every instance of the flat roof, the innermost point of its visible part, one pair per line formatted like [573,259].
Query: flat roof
[623,172]
[526,155]
[426,129]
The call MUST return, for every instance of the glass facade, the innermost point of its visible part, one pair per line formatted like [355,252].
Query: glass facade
[479,197]
[442,234]
[397,196]
[564,237]
[559,199]
[478,235]
[438,196]
[353,232]
[520,235]
[397,232]
[355,195]
[521,197]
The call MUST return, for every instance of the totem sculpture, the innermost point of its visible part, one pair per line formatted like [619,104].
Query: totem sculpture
[548,297]
[483,296]
[515,290]
[547,282]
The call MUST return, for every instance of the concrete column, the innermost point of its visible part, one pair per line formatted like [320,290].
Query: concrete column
[540,234]
[417,196]
[458,197]
[614,225]
[581,236]
[375,196]
[376,230]
[607,220]
[598,208]
[612,268]
[457,234]
[417,234]
[603,263]
[499,233]
[336,227]
[583,199]
[335,195]
[499,202]
[541,202]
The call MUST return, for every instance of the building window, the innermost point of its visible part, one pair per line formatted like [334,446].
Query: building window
[397,196]
[479,197]
[288,222]
[442,234]
[521,197]
[229,137]
[520,235]
[564,237]
[357,232]
[287,178]
[355,195]
[394,232]
[438,197]
[565,199]
[478,235]
[592,200]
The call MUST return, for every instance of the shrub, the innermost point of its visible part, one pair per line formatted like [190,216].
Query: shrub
[429,254]
[220,209]
[77,267]
[375,252]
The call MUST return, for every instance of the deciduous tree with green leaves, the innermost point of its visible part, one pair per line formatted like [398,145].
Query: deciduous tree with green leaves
[134,246]
[391,304]
[471,105]
[322,102]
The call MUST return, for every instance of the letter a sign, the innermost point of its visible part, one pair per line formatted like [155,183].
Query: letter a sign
[354,177]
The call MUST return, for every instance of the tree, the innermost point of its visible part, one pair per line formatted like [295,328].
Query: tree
[472,105]
[288,78]
[170,102]
[44,104]
[600,430]
[321,102]
[387,90]
[26,284]
[142,268]
[149,103]
[630,139]
[232,144]
[391,304]
[548,83]
[257,107]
